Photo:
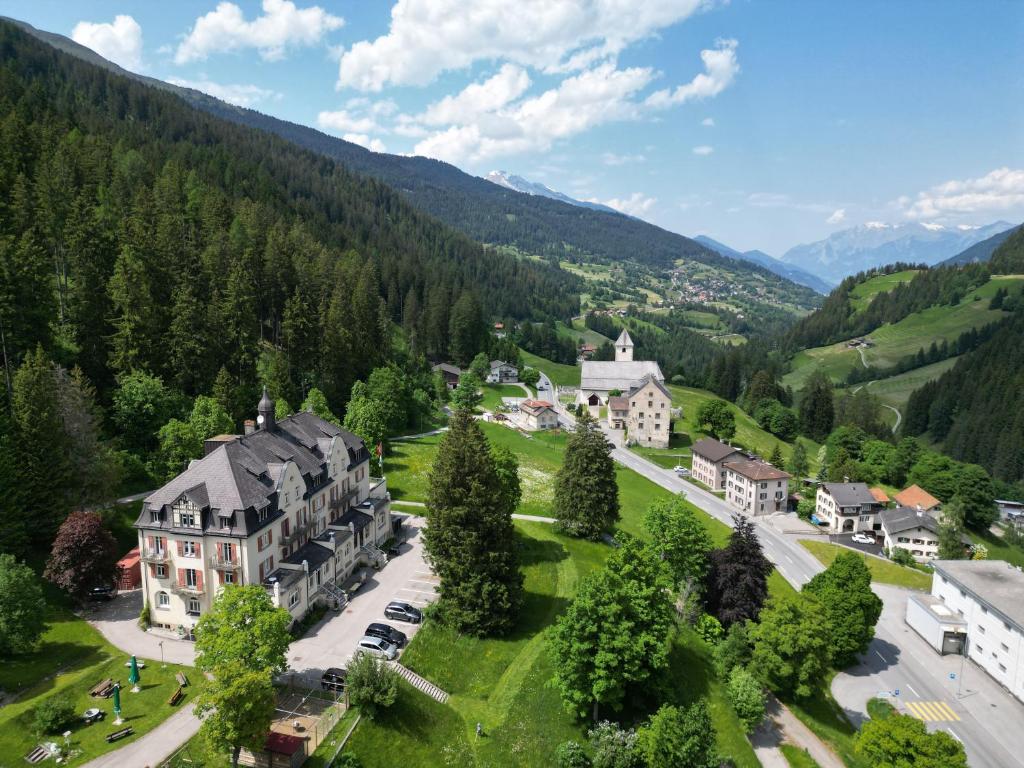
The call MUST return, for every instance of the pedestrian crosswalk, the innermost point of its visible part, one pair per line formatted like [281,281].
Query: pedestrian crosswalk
[934,711]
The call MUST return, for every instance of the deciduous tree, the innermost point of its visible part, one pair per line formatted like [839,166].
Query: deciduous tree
[901,741]
[243,628]
[372,685]
[586,501]
[852,609]
[676,737]
[680,538]
[236,708]
[737,584]
[791,645]
[746,695]
[84,555]
[716,418]
[470,540]
[21,620]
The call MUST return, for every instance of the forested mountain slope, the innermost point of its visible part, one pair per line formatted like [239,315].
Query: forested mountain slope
[980,251]
[138,233]
[486,212]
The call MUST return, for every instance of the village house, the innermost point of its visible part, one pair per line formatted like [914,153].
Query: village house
[709,457]
[649,421]
[502,373]
[849,507]
[289,505]
[587,351]
[618,411]
[539,414]
[755,487]
[912,530]
[916,497]
[598,378]
[450,373]
[1011,512]
[981,598]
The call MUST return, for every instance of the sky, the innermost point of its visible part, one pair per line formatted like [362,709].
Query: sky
[761,123]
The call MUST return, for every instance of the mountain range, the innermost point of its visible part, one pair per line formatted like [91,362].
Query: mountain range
[981,251]
[489,213]
[519,184]
[780,268]
[875,244]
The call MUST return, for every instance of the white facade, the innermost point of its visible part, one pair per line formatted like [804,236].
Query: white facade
[709,457]
[850,509]
[502,373]
[755,487]
[987,595]
[539,414]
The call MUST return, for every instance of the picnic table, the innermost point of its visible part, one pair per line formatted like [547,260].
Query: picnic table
[103,690]
[177,696]
[116,735]
[93,714]
[182,680]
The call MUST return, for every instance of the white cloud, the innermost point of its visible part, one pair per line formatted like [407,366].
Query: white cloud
[876,225]
[636,204]
[240,94]
[591,98]
[783,200]
[703,150]
[610,158]
[343,121]
[999,190]
[119,41]
[838,216]
[428,37]
[931,226]
[363,140]
[477,99]
[281,26]
[708,122]
[721,69]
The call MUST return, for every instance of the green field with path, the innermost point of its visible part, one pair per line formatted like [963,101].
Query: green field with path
[863,293]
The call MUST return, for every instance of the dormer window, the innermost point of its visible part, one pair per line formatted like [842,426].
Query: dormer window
[156,515]
[187,514]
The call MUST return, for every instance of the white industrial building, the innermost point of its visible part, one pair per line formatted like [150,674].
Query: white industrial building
[985,600]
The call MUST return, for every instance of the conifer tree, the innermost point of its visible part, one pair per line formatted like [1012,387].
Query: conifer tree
[817,409]
[586,501]
[798,465]
[470,541]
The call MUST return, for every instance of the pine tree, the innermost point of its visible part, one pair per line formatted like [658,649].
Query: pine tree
[738,577]
[798,464]
[467,332]
[776,459]
[131,298]
[470,540]
[586,501]
[817,410]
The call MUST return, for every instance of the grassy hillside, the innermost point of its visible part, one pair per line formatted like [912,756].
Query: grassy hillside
[863,293]
[893,341]
[560,374]
[895,390]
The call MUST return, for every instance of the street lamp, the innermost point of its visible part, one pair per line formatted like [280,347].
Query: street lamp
[162,665]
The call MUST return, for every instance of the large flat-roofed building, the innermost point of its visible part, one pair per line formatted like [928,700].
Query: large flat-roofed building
[989,596]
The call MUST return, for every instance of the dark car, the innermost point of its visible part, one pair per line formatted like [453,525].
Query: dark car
[400,611]
[386,632]
[103,593]
[333,679]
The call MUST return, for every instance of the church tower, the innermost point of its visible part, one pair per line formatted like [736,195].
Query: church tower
[624,348]
[266,411]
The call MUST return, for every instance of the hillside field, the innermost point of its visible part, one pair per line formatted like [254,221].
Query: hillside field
[863,293]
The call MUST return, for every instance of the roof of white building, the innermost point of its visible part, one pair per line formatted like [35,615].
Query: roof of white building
[905,519]
[994,583]
[606,375]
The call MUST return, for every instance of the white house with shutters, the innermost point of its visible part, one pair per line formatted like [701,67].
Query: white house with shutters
[289,505]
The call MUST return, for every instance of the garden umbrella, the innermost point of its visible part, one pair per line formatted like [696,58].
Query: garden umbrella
[117,704]
[133,675]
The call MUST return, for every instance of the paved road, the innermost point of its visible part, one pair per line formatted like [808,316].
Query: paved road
[990,724]
[117,621]
[154,746]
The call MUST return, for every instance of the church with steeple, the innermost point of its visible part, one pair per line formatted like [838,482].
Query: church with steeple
[600,377]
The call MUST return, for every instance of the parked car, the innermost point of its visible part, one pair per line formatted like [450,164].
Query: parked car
[863,538]
[387,632]
[108,592]
[400,611]
[681,470]
[378,647]
[333,679]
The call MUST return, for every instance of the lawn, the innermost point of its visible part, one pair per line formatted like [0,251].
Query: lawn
[406,467]
[748,434]
[882,571]
[997,548]
[493,393]
[797,758]
[73,657]
[826,718]
[559,373]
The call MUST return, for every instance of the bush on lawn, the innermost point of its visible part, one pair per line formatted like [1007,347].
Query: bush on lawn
[372,684]
[902,556]
[53,715]
[571,754]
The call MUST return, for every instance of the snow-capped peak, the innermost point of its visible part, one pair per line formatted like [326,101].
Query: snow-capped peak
[932,226]
[876,225]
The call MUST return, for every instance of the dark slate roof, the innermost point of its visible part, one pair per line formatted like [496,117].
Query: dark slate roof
[358,519]
[712,449]
[286,577]
[240,477]
[850,494]
[650,379]
[447,368]
[310,552]
[905,518]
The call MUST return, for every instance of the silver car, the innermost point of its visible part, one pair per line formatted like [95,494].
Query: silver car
[377,646]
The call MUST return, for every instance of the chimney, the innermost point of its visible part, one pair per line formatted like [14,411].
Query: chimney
[250,426]
[352,528]
[305,565]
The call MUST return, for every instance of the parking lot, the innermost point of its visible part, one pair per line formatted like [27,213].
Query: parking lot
[846,540]
[331,643]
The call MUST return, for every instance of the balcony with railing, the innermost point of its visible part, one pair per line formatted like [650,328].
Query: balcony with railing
[344,501]
[153,555]
[185,589]
[221,563]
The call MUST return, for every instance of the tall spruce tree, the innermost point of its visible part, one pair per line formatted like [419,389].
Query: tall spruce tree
[470,539]
[738,577]
[586,490]
[817,407]
[798,465]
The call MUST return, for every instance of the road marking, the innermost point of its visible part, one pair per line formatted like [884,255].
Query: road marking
[911,689]
[879,655]
[790,559]
[953,734]
[932,711]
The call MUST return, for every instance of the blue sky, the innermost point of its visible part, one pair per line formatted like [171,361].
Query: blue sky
[763,123]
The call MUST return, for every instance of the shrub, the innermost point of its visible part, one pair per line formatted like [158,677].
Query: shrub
[347,760]
[372,684]
[709,628]
[902,556]
[53,715]
[570,754]
[144,616]
[747,697]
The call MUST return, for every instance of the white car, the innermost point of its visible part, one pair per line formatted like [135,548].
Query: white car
[681,470]
[863,538]
[377,646]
